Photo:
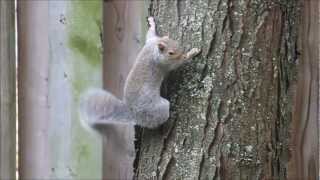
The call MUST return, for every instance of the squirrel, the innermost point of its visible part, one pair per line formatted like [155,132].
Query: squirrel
[142,104]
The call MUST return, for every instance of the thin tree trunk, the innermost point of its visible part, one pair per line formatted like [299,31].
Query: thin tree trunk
[305,140]
[231,107]
[123,38]
[7,90]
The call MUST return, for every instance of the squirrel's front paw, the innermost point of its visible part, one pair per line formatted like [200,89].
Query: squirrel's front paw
[151,21]
[193,52]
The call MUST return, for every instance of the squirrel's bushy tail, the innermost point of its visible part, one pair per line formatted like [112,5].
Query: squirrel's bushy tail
[99,108]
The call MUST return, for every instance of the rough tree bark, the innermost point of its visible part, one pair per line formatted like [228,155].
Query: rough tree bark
[231,107]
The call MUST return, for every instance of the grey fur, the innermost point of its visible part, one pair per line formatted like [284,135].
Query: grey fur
[142,104]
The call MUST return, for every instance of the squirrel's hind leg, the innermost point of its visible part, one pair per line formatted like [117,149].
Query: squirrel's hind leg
[154,115]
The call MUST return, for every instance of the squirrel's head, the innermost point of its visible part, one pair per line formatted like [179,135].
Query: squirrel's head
[169,51]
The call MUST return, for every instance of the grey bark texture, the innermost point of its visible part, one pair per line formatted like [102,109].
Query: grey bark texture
[7,90]
[231,107]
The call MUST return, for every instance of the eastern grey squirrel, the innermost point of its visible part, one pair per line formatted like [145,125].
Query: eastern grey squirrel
[142,104]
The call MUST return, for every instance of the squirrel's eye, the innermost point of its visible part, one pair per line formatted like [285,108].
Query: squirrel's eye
[171,53]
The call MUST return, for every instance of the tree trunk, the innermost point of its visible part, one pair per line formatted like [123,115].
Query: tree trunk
[231,106]
[123,38]
[305,121]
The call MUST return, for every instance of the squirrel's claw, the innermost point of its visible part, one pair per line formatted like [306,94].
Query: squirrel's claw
[151,21]
[193,52]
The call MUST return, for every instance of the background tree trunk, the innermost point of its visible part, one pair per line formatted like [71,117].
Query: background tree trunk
[231,107]
[305,121]
[124,27]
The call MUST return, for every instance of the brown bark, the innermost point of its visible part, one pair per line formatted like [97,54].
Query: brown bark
[231,107]
[305,136]
[123,38]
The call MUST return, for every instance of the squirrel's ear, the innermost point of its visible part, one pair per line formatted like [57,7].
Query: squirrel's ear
[161,46]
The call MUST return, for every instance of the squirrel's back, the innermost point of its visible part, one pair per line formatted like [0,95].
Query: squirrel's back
[145,75]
